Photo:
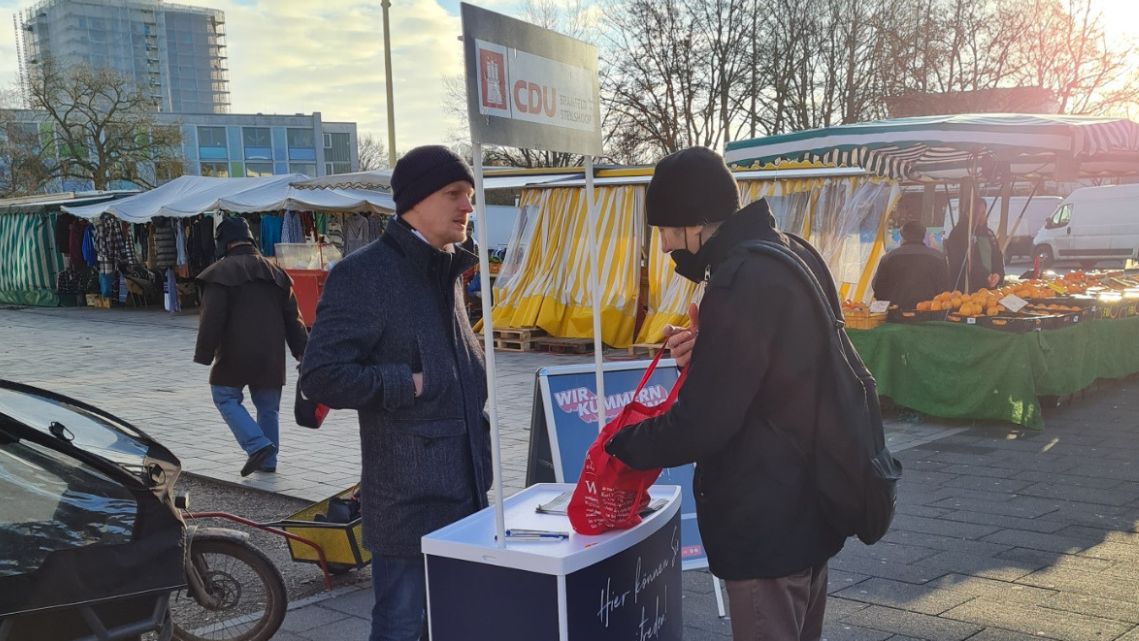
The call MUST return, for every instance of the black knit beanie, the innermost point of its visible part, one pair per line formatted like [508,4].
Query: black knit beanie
[232,229]
[424,171]
[691,187]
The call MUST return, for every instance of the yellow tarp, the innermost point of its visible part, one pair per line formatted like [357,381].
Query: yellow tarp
[549,286]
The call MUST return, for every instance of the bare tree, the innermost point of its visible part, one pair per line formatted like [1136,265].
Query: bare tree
[22,170]
[1065,49]
[103,128]
[373,153]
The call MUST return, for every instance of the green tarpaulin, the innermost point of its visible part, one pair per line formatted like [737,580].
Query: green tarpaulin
[958,371]
[29,261]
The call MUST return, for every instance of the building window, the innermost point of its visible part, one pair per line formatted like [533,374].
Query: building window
[215,169]
[211,143]
[331,168]
[257,142]
[258,169]
[302,145]
[308,169]
[336,148]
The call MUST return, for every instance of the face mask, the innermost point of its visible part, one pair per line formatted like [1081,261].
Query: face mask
[688,265]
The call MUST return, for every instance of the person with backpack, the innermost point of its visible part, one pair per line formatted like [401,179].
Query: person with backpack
[756,391]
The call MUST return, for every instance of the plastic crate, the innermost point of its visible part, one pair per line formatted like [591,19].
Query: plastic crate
[340,542]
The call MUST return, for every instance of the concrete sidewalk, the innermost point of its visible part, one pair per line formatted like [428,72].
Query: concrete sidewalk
[1001,535]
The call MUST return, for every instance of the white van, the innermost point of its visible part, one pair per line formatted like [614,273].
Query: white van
[1021,228]
[1090,225]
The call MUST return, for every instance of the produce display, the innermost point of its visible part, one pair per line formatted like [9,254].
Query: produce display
[1033,304]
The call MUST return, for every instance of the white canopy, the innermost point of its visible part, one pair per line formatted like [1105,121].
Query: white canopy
[193,195]
[380,179]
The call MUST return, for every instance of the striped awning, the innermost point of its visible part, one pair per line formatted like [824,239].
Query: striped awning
[28,259]
[949,148]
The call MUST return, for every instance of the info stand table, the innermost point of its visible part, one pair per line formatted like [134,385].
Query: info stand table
[619,585]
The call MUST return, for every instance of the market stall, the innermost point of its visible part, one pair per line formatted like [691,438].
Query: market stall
[542,282]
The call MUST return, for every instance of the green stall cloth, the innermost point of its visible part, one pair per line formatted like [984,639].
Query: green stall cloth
[960,371]
[29,261]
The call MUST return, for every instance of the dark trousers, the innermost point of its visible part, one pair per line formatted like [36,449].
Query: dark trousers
[400,587]
[790,608]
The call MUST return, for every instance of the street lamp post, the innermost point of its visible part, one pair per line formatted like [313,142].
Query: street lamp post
[386,4]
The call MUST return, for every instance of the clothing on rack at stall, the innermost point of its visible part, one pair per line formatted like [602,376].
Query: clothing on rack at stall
[271,232]
[376,225]
[291,229]
[201,244]
[334,231]
[180,242]
[165,250]
[90,256]
[308,225]
[75,243]
[62,230]
[111,246]
[356,233]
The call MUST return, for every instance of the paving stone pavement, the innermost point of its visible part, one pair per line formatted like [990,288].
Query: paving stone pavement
[1001,534]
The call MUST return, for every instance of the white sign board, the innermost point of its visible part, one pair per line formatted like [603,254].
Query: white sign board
[530,87]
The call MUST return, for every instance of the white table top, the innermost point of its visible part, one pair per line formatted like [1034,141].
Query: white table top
[473,538]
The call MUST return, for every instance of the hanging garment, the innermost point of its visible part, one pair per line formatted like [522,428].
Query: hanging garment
[334,233]
[75,242]
[62,230]
[111,246]
[356,233]
[180,243]
[321,221]
[308,225]
[271,225]
[376,225]
[291,229]
[200,245]
[165,250]
[90,256]
[170,292]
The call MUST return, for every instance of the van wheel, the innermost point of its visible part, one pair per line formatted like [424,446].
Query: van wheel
[1044,253]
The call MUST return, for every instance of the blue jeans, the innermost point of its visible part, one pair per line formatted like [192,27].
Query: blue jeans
[400,586]
[251,434]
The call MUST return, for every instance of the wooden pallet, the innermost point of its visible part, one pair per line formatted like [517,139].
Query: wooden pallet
[564,345]
[519,334]
[648,349]
[508,345]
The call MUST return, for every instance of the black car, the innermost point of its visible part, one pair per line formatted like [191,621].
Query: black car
[91,543]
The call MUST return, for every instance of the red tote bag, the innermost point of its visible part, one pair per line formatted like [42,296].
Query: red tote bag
[609,494]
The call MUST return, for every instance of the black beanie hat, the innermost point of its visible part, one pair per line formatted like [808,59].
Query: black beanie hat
[232,229]
[424,171]
[691,187]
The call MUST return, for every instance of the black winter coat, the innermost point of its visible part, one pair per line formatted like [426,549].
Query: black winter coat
[746,413]
[248,315]
[390,309]
[910,274]
[978,276]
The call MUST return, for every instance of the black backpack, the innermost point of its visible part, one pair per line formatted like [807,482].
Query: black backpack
[855,473]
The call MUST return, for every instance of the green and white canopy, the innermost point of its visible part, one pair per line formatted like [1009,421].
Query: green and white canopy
[950,148]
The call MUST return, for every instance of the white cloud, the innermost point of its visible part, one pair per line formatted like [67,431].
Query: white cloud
[299,56]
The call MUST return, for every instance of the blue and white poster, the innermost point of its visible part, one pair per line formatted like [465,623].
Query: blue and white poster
[564,425]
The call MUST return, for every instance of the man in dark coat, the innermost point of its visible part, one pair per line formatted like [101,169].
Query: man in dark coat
[248,315]
[979,263]
[912,272]
[746,414]
[392,341]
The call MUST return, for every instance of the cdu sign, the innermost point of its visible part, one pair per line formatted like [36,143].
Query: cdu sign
[528,86]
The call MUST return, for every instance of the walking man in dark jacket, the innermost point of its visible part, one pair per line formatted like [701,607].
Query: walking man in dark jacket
[746,413]
[912,272]
[392,340]
[248,315]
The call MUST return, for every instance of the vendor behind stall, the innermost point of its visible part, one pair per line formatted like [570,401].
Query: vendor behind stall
[983,265]
[913,272]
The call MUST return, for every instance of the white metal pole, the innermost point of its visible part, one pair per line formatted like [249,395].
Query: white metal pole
[595,290]
[385,4]
[488,343]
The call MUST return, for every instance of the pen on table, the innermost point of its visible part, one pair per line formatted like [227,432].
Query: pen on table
[536,535]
